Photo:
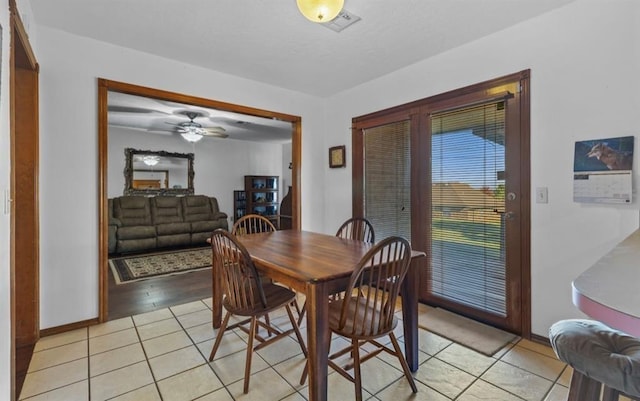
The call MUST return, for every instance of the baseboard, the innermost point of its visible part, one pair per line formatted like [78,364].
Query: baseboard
[540,339]
[68,327]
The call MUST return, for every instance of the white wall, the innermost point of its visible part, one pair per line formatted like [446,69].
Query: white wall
[583,58]
[70,66]
[5,157]
[584,62]
[219,164]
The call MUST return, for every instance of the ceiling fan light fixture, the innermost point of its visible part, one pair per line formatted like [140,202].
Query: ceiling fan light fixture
[191,135]
[151,160]
[320,10]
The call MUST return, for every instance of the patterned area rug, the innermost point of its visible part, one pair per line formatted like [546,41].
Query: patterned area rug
[136,268]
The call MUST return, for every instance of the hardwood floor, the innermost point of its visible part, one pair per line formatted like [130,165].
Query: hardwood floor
[157,293]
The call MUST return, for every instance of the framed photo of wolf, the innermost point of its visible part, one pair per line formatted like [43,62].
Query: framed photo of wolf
[602,170]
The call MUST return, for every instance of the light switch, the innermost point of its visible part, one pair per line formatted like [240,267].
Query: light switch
[542,195]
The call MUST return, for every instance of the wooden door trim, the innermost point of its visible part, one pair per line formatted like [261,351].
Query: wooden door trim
[104,86]
[23,128]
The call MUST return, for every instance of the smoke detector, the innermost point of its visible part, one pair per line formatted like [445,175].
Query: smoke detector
[343,20]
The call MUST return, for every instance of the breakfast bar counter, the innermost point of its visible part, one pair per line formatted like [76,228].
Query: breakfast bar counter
[609,291]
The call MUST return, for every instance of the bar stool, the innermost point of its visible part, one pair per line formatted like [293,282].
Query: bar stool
[600,356]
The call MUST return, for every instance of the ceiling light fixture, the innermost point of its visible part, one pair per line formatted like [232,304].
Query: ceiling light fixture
[191,132]
[151,160]
[320,10]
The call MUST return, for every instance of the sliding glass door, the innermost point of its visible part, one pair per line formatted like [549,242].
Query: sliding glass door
[451,173]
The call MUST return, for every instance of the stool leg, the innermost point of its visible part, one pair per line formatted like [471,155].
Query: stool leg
[583,388]
[609,394]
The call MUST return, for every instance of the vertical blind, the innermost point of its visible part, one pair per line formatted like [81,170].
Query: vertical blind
[467,204]
[387,179]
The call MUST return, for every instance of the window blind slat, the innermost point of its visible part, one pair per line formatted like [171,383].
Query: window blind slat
[467,203]
[387,179]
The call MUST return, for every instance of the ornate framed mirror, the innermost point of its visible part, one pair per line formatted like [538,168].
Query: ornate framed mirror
[149,172]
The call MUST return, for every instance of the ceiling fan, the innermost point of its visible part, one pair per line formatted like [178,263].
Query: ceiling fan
[192,131]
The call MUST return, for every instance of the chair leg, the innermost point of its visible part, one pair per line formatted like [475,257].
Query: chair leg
[357,379]
[296,329]
[247,366]
[583,388]
[221,330]
[302,312]
[403,362]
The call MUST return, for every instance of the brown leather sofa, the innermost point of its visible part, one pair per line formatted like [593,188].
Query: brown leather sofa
[142,224]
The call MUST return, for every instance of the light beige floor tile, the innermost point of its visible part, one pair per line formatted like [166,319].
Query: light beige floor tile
[195,318]
[338,388]
[537,347]
[393,360]
[431,343]
[517,381]
[58,355]
[265,385]
[57,340]
[231,368]
[150,317]
[159,328]
[218,395]
[175,362]
[54,377]
[115,359]
[294,397]
[208,302]
[557,393]
[291,370]
[483,391]
[565,377]
[466,359]
[167,343]
[189,385]
[201,333]
[188,308]
[540,364]
[401,391]
[77,392]
[110,327]
[230,344]
[443,377]
[120,381]
[377,374]
[146,393]
[111,341]
[280,350]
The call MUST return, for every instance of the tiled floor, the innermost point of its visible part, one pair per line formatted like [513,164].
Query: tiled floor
[162,355]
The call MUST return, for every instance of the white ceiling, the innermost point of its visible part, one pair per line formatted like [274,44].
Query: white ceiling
[271,42]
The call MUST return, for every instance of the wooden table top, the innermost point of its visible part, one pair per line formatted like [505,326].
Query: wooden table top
[305,256]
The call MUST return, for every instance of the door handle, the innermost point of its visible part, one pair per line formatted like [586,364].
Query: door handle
[509,215]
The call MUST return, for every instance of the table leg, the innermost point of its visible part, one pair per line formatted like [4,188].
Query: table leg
[410,315]
[216,297]
[318,340]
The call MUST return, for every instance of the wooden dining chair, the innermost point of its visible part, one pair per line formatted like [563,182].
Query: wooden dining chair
[244,294]
[356,228]
[252,224]
[367,312]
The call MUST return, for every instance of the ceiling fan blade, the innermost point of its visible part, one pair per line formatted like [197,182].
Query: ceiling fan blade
[216,134]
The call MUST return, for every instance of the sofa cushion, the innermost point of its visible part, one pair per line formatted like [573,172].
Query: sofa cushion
[136,232]
[132,210]
[173,228]
[205,226]
[197,208]
[166,209]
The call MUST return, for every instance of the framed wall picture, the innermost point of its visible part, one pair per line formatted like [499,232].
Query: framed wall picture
[337,156]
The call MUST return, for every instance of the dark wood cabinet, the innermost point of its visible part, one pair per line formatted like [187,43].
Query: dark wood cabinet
[260,196]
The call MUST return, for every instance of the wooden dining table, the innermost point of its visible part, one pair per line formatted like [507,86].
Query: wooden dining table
[319,265]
